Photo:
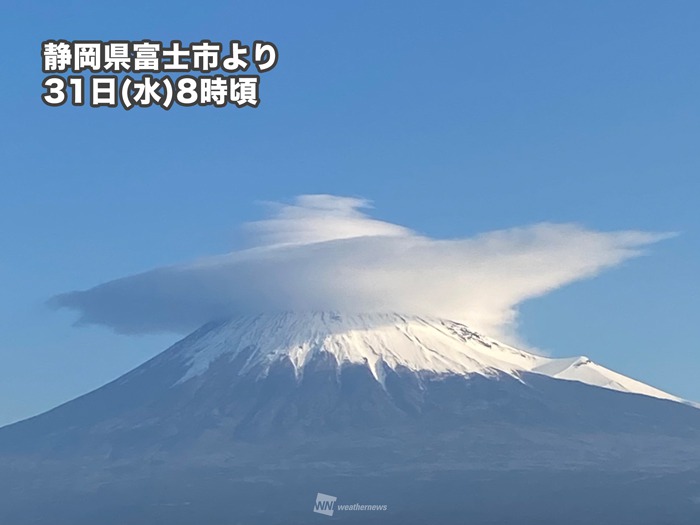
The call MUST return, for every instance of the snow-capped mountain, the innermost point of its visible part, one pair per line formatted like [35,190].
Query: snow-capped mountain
[252,415]
[377,341]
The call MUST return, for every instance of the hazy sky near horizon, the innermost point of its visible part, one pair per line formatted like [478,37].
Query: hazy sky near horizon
[454,118]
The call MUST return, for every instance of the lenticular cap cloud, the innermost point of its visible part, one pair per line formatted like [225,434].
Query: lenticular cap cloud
[323,252]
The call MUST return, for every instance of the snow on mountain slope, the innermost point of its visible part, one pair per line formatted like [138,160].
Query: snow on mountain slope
[586,371]
[417,343]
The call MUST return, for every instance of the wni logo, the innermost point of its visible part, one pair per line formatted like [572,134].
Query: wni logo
[324,504]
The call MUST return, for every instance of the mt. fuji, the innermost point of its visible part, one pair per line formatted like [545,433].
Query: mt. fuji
[246,419]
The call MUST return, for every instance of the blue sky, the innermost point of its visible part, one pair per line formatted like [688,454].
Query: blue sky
[454,118]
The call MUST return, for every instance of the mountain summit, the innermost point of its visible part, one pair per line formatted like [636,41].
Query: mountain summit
[246,420]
